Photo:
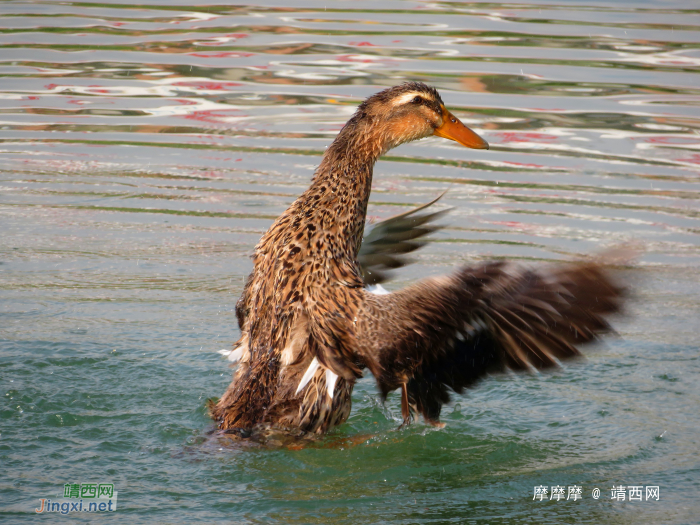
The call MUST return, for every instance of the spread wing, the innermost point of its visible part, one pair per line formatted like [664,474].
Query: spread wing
[445,334]
[385,246]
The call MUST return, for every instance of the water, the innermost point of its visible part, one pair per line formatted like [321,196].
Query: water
[145,148]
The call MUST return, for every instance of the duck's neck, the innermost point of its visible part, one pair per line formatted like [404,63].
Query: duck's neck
[343,180]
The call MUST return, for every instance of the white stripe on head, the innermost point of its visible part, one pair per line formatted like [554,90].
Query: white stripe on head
[407,97]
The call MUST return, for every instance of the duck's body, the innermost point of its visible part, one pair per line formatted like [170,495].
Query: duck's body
[309,327]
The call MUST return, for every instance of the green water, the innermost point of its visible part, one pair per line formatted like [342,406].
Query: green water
[145,148]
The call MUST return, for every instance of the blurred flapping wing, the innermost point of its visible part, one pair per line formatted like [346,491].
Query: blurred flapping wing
[446,333]
[386,245]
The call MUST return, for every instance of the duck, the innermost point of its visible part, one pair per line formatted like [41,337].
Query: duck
[310,326]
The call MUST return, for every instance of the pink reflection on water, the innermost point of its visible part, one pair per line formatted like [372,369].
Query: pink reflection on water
[213,116]
[513,224]
[222,54]
[660,139]
[694,158]
[517,136]
[213,86]
[523,164]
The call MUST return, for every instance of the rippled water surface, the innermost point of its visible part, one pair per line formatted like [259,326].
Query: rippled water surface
[145,148]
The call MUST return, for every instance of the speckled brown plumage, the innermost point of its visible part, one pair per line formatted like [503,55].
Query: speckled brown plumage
[305,313]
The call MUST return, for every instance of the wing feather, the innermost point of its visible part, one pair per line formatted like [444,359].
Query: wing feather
[387,243]
[445,334]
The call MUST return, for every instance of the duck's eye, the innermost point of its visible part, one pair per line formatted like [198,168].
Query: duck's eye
[417,100]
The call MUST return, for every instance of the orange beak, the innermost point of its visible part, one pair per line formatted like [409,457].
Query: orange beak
[453,129]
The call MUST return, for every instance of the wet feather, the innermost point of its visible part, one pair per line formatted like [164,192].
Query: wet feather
[310,326]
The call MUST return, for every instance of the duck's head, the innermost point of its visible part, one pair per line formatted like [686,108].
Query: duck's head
[413,111]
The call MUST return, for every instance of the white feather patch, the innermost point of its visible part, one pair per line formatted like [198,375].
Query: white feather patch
[307,375]
[239,352]
[236,354]
[406,97]
[377,289]
[233,355]
[331,378]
